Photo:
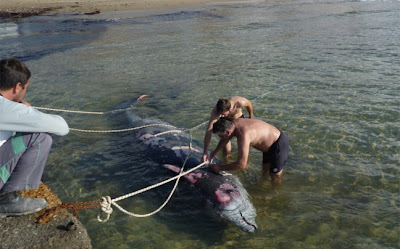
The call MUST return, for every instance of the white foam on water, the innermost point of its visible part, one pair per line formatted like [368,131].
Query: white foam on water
[8,29]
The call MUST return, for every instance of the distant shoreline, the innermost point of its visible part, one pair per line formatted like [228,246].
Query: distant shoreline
[24,8]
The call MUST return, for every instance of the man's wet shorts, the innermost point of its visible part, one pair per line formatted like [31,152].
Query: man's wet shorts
[278,154]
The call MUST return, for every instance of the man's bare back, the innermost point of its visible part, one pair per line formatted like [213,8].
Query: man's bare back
[256,133]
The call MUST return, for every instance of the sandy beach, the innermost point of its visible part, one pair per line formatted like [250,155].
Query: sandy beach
[21,8]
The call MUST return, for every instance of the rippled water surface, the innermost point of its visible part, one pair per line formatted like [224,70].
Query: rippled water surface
[326,72]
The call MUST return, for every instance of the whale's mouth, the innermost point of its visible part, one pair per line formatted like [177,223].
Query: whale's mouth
[254,226]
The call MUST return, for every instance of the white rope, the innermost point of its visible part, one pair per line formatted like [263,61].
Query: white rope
[266,93]
[136,128]
[70,111]
[80,112]
[123,130]
[86,112]
[140,127]
[107,201]
[198,126]
[167,132]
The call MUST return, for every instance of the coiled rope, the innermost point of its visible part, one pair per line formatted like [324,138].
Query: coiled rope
[107,201]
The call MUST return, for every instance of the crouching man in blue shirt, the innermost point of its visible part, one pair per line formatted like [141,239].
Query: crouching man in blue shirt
[24,141]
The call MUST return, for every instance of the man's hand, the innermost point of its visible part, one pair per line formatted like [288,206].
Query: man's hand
[215,167]
[25,103]
[204,158]
[212,155]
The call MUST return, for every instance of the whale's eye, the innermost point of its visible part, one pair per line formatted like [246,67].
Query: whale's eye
[222,197]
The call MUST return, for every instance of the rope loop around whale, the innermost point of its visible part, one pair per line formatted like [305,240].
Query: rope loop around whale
[107,201]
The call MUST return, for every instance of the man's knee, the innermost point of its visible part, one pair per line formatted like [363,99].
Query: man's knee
[44,139]
[46,142]
[47,139]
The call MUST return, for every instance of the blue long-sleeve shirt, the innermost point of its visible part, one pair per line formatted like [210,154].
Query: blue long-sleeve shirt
[17,117]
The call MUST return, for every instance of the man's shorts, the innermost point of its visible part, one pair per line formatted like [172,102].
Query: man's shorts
[278,153]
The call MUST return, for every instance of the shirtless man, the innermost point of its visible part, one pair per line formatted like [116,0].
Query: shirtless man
[260,135]
[230,109]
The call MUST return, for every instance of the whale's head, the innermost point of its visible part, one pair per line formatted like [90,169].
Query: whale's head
[233,204]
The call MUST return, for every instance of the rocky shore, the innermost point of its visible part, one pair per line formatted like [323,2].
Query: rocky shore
[63,230]
[25,8]
[24,12]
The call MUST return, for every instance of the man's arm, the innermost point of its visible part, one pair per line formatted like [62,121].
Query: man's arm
[243,102]
[22,118]
[240,163]
[207,138]
[249,108]
[220,145]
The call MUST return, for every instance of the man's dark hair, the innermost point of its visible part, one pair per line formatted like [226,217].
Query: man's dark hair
[223,105]
[221,125]
[13,71]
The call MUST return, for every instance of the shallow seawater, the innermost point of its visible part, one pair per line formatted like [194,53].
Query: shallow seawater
[326,72]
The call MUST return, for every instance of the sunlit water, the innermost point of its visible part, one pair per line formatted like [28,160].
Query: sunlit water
[326,72]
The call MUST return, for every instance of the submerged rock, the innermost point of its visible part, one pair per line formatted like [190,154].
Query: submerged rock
[63,230]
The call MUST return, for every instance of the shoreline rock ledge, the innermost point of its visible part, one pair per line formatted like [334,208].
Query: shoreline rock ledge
[63,230]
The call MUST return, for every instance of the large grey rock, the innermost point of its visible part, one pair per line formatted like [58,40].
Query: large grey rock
[63,230]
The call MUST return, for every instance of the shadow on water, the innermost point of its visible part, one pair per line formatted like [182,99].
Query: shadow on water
[38,36]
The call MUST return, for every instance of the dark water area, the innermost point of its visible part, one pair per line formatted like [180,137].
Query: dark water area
[325,72]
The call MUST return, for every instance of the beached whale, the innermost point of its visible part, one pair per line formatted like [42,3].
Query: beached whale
[223,192]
